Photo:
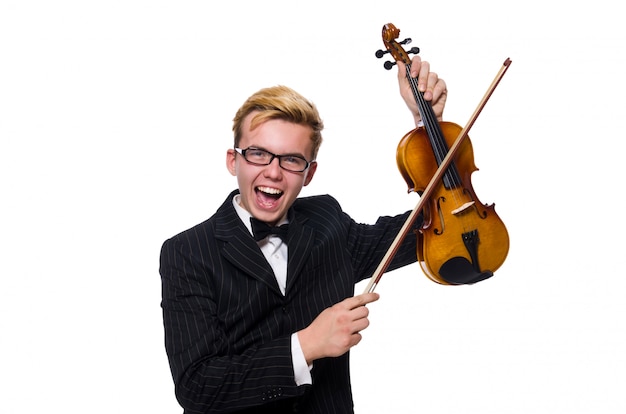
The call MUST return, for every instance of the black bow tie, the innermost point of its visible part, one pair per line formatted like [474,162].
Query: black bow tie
[261,230]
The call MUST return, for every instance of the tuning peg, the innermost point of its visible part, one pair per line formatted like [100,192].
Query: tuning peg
[415,50]
[388,65]
[380,53]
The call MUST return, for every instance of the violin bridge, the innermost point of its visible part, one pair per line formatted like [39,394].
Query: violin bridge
[464,207]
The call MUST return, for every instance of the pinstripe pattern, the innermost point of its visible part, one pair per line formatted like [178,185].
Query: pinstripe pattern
[228,327]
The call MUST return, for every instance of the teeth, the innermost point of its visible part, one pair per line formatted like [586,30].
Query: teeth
[269,190]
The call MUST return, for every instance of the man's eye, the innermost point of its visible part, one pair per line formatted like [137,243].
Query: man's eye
[257,153]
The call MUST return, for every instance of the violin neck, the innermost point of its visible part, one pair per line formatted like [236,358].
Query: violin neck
[451,178]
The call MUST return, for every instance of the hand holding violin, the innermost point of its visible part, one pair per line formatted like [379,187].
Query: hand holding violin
[433,87]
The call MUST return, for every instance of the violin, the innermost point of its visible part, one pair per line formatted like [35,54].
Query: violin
[463,241]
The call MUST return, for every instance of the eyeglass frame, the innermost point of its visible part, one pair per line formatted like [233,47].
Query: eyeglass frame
[242,152]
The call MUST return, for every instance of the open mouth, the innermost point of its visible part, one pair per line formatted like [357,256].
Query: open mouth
[268,195]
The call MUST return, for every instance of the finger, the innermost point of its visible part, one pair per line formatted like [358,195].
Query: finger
[416,64]
[360,319]
[355,339]
[424,77]
[440,89]
[361,300]
[431,84]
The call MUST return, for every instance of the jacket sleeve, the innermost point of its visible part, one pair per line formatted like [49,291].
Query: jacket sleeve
[368,243]
[365,244]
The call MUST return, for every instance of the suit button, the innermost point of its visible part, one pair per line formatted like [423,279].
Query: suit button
[272,393]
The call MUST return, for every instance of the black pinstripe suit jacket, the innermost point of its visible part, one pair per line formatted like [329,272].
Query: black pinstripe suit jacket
[227,325]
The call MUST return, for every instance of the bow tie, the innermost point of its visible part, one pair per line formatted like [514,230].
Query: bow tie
[261,230]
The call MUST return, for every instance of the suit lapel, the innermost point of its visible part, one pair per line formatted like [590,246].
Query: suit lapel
[240,249]
[300,243]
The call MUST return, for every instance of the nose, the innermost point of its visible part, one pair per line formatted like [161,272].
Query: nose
[273,169]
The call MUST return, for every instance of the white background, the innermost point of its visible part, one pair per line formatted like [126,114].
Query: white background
[115,117]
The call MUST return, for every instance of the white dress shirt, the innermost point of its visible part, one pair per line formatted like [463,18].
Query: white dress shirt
[275,251]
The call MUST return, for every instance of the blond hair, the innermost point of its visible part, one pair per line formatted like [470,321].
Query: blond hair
[280,102]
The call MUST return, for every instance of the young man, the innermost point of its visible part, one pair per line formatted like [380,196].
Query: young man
[264,324]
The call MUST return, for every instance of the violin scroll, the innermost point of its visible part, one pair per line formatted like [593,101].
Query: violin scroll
[390,33]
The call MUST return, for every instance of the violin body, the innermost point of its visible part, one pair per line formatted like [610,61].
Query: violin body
[462,240]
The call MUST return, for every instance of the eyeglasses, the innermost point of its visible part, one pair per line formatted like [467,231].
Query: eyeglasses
[256,156]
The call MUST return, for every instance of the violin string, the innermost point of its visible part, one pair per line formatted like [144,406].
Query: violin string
[431,124]
[451,176]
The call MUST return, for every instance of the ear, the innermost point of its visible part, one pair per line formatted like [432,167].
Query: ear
[231,161]
[310,173]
